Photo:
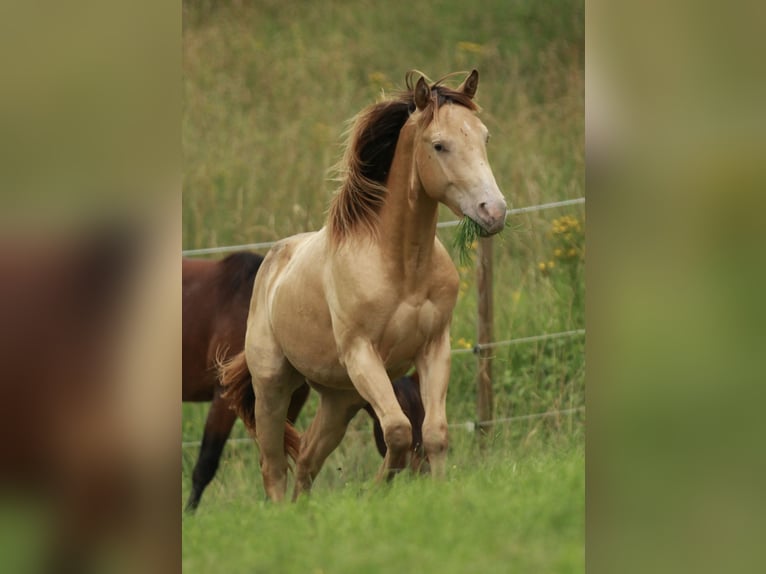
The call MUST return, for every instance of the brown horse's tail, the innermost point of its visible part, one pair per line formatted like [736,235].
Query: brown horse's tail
[237,382]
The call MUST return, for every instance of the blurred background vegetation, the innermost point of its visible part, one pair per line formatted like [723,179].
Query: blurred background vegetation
[268,90]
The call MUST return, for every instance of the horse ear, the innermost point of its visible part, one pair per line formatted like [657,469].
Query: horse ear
[469,85]
[422,94]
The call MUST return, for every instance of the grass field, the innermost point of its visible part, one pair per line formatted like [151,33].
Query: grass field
[268,88]
[494,513]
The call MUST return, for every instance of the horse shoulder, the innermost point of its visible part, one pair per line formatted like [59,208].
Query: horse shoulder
[357,278]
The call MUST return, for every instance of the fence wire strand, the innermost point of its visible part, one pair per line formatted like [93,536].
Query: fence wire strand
[442,224]
[545,336]
[469,426]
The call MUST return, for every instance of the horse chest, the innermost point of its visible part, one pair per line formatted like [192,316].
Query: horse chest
[409,328]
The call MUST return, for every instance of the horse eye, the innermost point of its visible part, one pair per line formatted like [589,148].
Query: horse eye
[439,147]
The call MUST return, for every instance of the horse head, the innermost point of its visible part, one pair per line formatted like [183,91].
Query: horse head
[450,154]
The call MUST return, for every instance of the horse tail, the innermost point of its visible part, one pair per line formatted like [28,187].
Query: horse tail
[292,441]
[237,382]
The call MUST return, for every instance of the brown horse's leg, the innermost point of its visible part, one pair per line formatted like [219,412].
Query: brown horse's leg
[433,365]
[220,420]
[335,411]
[297,401]
[407,391]
[371,380]
[377,430]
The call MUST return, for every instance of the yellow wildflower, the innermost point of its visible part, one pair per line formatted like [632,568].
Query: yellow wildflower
[471,47]
[463,344]
[379,79]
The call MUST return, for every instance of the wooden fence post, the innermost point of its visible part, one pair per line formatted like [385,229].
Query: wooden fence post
[485,333]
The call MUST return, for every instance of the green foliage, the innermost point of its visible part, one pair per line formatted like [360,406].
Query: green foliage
[493,513]
[268,89]
[468,232]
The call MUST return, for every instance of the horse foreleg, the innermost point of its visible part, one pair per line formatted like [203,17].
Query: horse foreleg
[335,411]
[369,376]
[433,365]
[220,420]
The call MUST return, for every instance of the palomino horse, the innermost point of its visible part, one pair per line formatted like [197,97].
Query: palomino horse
[357,303]
[216,299]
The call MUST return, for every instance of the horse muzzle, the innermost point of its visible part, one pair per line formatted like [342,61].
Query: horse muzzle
[490,215]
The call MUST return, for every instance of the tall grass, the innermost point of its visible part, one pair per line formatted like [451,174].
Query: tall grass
[523,513]
[268,89]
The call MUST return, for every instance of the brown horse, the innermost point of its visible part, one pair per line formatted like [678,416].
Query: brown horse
[407,392]
[359,302]
[216,299]
[66,454]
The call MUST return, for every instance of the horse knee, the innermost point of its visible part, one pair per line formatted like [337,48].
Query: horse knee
[398,435]
[305,468]
[435,439]
[304,479]
[274,479]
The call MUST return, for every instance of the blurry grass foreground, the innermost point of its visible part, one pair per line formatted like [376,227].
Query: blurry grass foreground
[523,515]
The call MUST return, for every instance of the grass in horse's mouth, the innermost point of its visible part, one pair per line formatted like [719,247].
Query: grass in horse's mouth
[468,231]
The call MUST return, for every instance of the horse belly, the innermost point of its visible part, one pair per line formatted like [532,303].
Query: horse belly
[311,350]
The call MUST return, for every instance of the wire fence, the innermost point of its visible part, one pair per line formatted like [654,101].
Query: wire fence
[476,348]
[442,224]
[469,426]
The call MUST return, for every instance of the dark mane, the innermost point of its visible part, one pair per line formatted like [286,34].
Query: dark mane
[370,147]
[237,274]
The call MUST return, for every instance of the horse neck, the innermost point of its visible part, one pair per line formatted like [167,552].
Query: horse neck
[408,218]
